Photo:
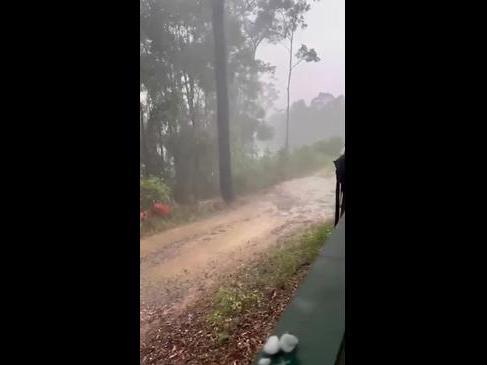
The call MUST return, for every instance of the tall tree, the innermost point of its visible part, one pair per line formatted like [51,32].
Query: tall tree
[290,19]
[226,187]
[177,75]
[303,54]
[143,148]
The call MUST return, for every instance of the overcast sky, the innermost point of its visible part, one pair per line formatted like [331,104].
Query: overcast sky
[326,34]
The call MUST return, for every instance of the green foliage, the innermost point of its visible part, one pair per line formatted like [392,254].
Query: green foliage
[332,147]
[153,189]
[307,55]
[231,301]
[284,262]
[252,173]
[264,132]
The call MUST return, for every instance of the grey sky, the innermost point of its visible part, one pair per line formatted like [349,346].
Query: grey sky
[326,34]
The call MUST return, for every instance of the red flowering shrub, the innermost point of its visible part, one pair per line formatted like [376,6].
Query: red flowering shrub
[162,210]
[144,215]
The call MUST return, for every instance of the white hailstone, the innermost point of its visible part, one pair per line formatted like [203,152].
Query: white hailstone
[272,345]
[288,342]
[264,361]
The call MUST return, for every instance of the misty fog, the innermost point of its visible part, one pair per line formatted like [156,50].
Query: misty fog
[242,113]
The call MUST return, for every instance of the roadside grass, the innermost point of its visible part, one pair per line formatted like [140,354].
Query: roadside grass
[250,289]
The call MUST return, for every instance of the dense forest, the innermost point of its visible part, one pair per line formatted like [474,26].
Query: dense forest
[179,133]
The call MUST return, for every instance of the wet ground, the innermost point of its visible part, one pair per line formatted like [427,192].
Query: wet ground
[181,264]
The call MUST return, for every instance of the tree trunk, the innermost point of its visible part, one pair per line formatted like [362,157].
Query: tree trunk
[164,172]
[286,148]
[184,167]
[190,95]
[143,147]
[151,142]
[226,187]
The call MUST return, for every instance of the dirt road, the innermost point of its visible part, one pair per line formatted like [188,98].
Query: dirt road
[181,264]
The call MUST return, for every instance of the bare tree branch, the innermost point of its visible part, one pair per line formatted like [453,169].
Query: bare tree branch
[284,46]
[297,63]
